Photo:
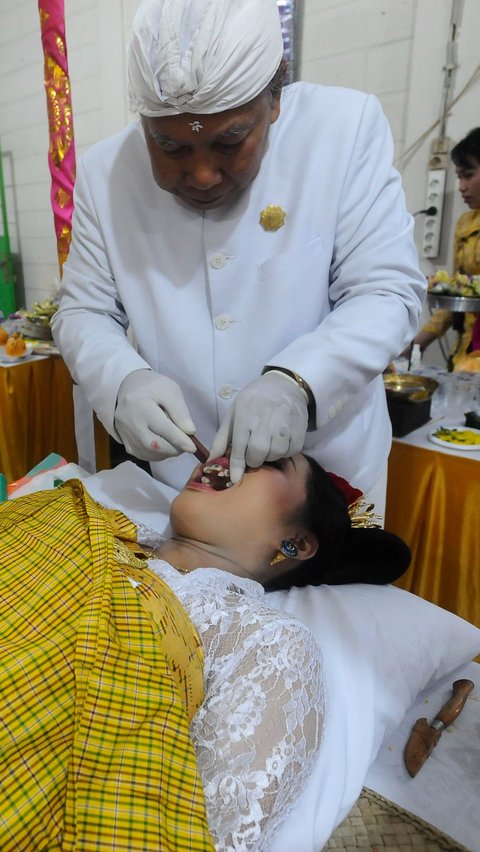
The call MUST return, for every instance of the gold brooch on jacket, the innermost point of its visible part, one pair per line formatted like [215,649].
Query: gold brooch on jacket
[272,218]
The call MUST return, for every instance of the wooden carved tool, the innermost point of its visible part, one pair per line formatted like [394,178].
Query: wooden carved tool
[202,453]
[424,736]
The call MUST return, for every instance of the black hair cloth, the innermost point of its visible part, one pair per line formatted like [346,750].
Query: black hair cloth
[369,555]
[373,556]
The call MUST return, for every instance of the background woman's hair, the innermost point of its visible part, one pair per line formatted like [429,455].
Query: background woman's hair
[345,554]
[467,152]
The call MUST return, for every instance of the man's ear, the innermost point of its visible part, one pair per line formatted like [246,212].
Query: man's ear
[275,108]
[307,545]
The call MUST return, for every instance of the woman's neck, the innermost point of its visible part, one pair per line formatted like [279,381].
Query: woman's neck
[186,556]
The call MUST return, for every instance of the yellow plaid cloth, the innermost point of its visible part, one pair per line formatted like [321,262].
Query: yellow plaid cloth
[98,681]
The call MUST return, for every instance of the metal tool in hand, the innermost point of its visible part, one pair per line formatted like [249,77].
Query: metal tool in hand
[424,736]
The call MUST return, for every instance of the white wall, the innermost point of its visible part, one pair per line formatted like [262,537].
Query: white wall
[393,48]
[397,50]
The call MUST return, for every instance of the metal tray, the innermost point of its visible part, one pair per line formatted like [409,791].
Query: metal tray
[460,304]
[39,330]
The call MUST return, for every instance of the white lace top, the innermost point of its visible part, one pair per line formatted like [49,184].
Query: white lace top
[259,728]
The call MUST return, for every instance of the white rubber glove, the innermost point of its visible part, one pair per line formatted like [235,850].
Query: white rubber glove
[152,417]
[267,421]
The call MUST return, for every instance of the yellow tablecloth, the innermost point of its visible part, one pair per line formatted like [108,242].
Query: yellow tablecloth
[36,417]
[433,502]
[36,414]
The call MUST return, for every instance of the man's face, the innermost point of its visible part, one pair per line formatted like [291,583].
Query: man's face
[207,160]
[469,184]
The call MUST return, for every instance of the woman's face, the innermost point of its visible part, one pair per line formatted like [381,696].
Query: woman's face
[250,518]
[469,184]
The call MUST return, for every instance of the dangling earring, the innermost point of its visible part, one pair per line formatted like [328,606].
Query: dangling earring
[288,550]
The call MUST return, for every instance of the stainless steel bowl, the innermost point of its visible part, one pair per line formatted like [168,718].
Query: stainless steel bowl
[460,304]
[408,387]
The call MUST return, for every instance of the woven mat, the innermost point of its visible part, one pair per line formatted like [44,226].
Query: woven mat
[375,823]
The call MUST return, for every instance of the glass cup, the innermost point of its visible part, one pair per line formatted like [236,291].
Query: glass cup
[460,395]
[439,398]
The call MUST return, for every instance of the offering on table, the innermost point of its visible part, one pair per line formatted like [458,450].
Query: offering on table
[454,285]
[470,363]
[36,321]
[15,345]
[3,335]
[459,436]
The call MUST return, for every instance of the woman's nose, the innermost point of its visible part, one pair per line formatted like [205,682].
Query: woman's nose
[203,171]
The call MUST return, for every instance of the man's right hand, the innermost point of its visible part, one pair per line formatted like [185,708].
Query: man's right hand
[152,417]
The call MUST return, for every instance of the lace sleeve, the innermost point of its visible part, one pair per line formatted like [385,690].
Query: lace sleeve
[148,537]
[259,729]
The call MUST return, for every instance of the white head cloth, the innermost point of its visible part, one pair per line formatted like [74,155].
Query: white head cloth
[201,56]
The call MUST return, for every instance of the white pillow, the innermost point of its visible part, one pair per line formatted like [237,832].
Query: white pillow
[381,646]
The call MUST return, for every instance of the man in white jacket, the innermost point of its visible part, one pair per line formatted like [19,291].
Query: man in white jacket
[255,241]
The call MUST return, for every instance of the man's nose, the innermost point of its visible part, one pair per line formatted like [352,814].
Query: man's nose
[203,171]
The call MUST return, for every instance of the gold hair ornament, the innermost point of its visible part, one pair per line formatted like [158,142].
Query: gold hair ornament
[362,514]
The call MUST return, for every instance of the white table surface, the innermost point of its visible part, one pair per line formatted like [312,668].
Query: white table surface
[419,438]
[452,416]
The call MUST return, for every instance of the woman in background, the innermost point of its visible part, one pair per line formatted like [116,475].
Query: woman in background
[466,255]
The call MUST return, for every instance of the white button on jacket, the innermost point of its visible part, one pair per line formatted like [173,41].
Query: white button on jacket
[218,261]
[222,322]
[226,392]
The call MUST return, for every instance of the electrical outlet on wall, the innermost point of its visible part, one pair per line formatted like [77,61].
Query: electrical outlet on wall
[435,196]
[433,224]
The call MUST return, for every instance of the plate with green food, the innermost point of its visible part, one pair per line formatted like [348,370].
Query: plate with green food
[456,437]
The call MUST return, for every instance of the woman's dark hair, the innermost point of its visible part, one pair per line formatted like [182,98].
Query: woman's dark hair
[466,154]
[345,554]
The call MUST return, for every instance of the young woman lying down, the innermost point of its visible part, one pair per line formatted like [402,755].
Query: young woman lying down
[151,699]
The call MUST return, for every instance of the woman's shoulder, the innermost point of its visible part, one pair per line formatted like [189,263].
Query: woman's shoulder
[467,224]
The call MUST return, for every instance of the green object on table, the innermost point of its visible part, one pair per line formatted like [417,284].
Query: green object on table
[51,461]
[7,277]
[472,419]
[3,488]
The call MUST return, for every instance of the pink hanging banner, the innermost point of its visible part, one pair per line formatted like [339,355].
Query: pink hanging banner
[61,154]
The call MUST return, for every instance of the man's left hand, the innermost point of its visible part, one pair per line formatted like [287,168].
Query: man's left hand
[267,421]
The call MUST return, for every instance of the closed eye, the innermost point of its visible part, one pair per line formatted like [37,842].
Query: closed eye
[282,464]
[278,464]
[229,147]
[171,150]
